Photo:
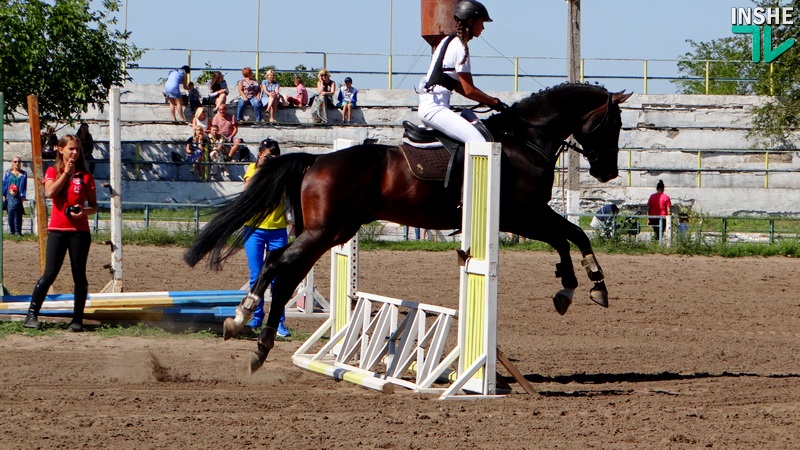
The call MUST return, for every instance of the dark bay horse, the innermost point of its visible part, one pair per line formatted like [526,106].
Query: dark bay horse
[334,194]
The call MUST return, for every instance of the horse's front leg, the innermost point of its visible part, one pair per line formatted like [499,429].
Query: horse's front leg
[566,272]
[598,293]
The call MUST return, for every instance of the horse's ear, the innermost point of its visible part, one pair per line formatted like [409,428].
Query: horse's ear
[620,97]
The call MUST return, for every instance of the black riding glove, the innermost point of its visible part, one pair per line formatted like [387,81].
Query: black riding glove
[499,106]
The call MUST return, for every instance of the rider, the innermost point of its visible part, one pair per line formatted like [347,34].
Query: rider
[450,70]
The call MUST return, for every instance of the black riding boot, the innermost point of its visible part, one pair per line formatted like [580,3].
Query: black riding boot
[32,319]
[37,298]
[77,315]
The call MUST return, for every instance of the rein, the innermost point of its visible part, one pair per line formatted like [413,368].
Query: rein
[565,145]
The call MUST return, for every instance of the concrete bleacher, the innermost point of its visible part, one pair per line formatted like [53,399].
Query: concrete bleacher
[660,132]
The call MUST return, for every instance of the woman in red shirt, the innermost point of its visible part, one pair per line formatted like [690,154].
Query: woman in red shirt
[70,186]
[659,204]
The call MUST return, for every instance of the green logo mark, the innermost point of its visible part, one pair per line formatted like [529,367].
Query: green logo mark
[769,53]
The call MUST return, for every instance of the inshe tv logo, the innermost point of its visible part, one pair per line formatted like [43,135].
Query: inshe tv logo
[753,20]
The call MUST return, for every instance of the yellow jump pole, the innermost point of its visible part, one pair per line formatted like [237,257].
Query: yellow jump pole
[477,310]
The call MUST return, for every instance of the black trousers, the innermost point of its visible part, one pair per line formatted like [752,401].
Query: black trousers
[77,243]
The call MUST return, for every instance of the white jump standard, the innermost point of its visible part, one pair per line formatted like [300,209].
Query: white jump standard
[386,342]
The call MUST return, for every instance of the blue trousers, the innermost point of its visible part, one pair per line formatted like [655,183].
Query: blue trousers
[258,241]
[15,213]
[242,103]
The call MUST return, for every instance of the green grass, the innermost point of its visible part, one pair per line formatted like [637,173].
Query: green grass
[150,236]
[156,330]
[167,214]
[15,327]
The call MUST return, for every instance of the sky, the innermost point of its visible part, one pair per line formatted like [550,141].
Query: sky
[356,36]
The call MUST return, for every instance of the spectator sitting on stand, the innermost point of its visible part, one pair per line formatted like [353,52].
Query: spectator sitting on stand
[195,100]
[348,96]
[239,151]
[200,119]
[226,124]
[301,98]
[195,147]
[218,90]
[249,91]
[324,98]
[271,96]
[218,152]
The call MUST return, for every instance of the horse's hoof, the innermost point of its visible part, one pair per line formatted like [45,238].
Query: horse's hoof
[228,329]
[255,362]
[562,301]
[599,296]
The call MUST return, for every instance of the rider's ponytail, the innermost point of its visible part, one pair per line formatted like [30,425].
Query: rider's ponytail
[464,33]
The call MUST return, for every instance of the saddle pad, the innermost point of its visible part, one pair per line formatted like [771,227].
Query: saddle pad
[425,163]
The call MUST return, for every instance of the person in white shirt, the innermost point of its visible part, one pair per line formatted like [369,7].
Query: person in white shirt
[449,71]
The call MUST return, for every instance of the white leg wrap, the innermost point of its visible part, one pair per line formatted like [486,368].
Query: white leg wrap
[244,312]
[592,268]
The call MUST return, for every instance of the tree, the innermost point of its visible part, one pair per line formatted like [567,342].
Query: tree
[778,119]
[309,76]
[775,121]
[65,53]
[729,69]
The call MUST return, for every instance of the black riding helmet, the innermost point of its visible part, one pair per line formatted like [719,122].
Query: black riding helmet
[471,8]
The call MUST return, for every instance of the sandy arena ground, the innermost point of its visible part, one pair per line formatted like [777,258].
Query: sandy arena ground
[694,352]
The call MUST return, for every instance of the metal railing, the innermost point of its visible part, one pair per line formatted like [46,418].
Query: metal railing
[522,72]
[699,169]
[143,215]
[708,228]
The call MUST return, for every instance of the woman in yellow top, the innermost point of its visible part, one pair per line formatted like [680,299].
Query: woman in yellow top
[270,234]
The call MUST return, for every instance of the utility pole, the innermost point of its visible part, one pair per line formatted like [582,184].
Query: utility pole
[573,186]
[258,38]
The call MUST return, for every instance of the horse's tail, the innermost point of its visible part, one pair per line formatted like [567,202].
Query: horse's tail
[224,234]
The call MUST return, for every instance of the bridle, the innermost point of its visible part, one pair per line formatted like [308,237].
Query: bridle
[591,155]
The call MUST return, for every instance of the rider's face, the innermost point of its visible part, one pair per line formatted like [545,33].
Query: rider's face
[477,27]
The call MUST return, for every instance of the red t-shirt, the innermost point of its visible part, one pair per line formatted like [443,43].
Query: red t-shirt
[659,204]
[74,193]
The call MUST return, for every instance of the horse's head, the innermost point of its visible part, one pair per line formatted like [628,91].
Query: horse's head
[598,134]
[588,112]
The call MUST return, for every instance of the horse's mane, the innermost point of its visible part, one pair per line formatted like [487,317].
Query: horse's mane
[549,94]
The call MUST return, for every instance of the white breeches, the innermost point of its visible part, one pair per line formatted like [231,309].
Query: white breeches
[434,112]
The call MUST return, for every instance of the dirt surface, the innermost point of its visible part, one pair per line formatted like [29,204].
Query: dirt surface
[693,352]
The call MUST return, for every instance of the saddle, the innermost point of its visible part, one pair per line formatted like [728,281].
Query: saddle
[433,156]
